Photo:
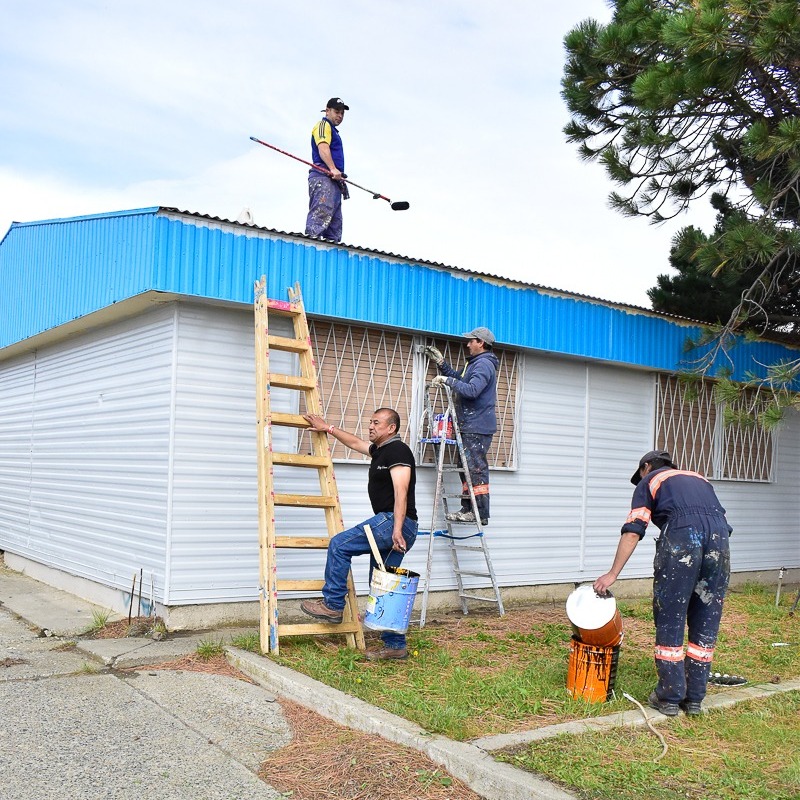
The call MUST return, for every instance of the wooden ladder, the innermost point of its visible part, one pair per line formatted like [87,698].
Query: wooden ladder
[319,459]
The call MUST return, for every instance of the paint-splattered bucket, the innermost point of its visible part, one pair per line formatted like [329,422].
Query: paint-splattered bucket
[391,598]
[595,620]
[592,671]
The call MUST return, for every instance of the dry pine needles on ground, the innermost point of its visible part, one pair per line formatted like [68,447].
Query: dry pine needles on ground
[326,761]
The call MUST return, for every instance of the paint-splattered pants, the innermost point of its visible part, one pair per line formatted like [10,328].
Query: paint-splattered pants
[476,446]
[690,578]
[324,208]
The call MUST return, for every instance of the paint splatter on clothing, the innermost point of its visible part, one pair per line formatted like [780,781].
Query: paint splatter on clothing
[691,570]
[324,207]
[475,390]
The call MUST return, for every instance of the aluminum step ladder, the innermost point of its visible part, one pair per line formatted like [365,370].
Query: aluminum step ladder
[441,433]
[319,459]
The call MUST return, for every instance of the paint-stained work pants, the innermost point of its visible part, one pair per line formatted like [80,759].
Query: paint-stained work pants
[324,208]
[476,446]
[690,577]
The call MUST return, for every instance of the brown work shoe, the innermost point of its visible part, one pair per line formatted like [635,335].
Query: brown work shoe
[386,653]
[318,610]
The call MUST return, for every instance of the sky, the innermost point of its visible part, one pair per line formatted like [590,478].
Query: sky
[455,107]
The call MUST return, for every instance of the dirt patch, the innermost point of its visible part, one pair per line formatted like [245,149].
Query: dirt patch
[12,662]
[215,665]
[326,760]
[138,626]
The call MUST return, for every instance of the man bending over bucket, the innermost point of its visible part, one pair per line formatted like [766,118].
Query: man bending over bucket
[690,574]
[392,477]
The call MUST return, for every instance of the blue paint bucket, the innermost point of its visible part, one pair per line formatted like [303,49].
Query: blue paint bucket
[391,598]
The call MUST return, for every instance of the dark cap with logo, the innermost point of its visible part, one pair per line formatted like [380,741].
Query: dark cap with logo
[647,458]
[337,103]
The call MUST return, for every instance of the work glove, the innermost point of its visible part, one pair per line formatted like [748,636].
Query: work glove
[434,354]
[439,380]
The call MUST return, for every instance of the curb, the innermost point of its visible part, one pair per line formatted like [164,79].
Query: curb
[475,767]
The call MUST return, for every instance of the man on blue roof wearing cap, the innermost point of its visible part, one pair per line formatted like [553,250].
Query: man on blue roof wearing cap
[325,185]
[475,388]
[690,574]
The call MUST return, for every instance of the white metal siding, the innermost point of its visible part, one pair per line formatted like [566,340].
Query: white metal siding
[97,438]
[16,424]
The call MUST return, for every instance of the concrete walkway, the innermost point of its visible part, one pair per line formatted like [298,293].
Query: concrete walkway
[149,733]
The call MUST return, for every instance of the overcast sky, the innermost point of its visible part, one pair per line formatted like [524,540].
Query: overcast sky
[454,107]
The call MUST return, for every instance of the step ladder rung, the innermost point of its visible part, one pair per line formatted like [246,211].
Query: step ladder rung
[288,345]
[478,597]
[291,382]
[473,574]
[302,542]
[300,460]
[306,500]
[471,547]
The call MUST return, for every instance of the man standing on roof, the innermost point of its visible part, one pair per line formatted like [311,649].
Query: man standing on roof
[390,485]
[326,189]
[475,388]
[690,574]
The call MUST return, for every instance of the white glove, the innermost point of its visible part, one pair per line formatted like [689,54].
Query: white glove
[439,380]
[434,354]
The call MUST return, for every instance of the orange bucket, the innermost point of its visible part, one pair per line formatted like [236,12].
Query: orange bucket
[592,671]
[595,620]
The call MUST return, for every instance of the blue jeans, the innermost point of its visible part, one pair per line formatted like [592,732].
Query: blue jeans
[353,542]
[324,208]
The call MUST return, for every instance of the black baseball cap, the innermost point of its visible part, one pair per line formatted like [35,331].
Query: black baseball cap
[337,103]
[653,455]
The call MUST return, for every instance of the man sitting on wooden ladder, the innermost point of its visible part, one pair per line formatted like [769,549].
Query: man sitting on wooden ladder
[392,477]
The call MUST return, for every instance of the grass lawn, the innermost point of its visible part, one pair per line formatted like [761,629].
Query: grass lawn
[482,674]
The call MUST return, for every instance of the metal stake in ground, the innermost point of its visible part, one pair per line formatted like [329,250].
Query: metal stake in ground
[399,205]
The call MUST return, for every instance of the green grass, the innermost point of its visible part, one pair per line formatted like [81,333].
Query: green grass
[247,641]
[478,675]
[100,618]
[749,752]
[207,649]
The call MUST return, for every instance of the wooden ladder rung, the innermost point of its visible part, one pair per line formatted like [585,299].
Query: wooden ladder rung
[308,628]
[300,460]
[288,345]
[291,585]
[291,382]
[302,542]
[288,420]
[283,308]
[306,500]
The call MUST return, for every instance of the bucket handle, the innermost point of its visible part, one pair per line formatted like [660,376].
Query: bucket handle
[374,547]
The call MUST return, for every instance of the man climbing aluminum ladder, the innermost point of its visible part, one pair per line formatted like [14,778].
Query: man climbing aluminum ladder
[441,433]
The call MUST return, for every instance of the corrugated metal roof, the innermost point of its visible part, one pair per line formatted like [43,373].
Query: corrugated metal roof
[56,271]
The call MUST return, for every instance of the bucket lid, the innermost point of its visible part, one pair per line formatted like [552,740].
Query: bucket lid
[586,610]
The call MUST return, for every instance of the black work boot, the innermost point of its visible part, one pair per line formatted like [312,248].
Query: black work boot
[667,709]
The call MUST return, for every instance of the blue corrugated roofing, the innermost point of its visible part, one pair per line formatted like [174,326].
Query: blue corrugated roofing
[55,271]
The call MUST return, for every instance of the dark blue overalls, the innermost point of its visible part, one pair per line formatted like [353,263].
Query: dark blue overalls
[690,575]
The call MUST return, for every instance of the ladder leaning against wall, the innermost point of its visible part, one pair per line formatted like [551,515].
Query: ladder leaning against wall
[319,459]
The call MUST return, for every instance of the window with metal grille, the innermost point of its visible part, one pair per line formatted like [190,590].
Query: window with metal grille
[690,424]
[360,370]
[503,452]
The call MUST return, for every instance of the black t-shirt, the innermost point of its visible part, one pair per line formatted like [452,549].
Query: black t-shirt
[380,487]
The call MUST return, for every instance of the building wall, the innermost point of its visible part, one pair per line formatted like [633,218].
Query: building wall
[133,447]
[84,436]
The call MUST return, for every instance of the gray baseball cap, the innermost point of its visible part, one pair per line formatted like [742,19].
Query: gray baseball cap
[484,334]
[653,455]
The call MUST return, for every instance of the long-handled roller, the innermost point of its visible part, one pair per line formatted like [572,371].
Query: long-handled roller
[400,205]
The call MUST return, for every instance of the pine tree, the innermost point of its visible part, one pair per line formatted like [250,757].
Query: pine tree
[685,99]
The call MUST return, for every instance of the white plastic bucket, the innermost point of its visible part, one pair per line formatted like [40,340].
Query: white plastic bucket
[391,599]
